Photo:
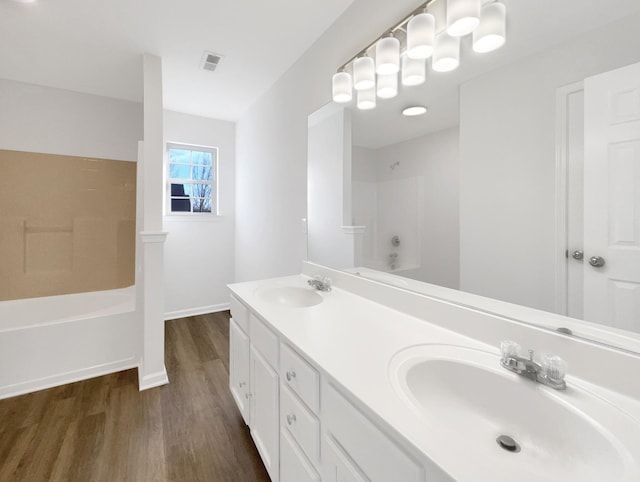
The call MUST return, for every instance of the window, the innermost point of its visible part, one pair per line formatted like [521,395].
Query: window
[192,179]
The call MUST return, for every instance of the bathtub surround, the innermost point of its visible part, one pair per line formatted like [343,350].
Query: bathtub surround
[152,372]
[429,243]
[67,224]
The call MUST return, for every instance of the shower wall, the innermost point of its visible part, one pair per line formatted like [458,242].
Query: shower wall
[67,224]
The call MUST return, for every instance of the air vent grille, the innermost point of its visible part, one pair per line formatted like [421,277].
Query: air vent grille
[210,61]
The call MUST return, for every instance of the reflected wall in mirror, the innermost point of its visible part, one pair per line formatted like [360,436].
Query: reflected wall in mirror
[525,160]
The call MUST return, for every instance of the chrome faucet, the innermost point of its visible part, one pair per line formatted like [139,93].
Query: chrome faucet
[321,283]
[549,372]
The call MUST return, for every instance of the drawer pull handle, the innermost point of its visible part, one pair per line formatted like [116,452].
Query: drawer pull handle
[242,384]
[291,419]
[291,375]
[247,396]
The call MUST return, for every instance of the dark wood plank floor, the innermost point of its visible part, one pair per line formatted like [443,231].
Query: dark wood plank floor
[104,429]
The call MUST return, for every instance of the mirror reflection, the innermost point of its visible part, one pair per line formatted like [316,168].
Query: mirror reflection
[521,183]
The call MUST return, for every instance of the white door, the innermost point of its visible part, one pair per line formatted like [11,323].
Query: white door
[239,369]
[612,198]
[294,466]
[265,422]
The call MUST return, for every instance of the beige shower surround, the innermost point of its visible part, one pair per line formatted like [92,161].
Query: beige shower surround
[67,224]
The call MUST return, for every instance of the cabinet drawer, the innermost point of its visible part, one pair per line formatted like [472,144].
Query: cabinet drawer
[240,314]
[265,341]
[294,467]
[300,423]
[376,454]
[301,377]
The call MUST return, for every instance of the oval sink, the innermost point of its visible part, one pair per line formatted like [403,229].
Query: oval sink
[505,426]
[292,296]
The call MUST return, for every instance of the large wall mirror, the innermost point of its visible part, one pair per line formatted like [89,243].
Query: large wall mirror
[521,183]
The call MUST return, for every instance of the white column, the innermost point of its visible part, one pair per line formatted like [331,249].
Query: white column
[152,372]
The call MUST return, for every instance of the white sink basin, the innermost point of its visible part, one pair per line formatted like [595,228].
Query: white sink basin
[466,400]
[291,296]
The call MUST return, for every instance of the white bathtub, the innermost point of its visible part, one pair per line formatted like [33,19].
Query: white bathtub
[54,340]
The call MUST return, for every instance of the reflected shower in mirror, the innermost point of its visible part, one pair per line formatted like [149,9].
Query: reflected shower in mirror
[520,184]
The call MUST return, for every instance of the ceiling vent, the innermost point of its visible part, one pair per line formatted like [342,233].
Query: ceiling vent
[210,61]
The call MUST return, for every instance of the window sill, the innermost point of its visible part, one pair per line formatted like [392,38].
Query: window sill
[194,217]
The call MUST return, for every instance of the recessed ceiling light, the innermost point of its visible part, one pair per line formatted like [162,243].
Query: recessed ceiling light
[414,110]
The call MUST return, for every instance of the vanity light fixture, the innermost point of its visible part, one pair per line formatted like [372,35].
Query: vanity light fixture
[421,36]
[413,71]
[490,34]
[388,55]
[364,74]
[414,110]
[387,86]
[432,30]
[447,53]
[342,87]
[463,16]
[366,99]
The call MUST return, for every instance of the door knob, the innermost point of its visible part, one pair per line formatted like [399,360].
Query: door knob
[577,255]
[597,261]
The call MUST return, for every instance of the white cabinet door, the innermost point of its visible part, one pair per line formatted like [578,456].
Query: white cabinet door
[294,466]
[239,369]
[265,419]
[612,197]
[336,467]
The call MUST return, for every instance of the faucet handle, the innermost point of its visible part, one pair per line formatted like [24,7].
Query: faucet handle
[509,349]
[554,367]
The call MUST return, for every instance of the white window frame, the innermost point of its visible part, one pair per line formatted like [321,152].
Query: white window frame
[215,180]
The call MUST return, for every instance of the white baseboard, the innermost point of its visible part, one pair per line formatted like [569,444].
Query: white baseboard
[173,315]
[64,378]
[152,380]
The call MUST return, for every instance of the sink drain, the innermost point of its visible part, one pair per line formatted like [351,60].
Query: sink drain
[508,443]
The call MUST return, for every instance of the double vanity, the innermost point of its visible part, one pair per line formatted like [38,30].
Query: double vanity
[362,381]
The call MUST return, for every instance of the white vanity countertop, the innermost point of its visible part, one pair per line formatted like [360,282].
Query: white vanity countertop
[353,340]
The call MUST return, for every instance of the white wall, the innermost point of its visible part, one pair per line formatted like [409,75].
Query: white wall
[272,144]
[199,251]
[507,162]
[56,121]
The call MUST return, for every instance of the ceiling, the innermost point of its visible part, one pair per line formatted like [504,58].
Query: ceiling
[532,26]
[95,47]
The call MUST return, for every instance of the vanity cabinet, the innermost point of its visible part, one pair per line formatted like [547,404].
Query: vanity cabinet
[239,373]
[264,411]
[253,381]
[357,449]
[299,417]
[304,428]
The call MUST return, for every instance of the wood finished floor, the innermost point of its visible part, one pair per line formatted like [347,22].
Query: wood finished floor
[104,429]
